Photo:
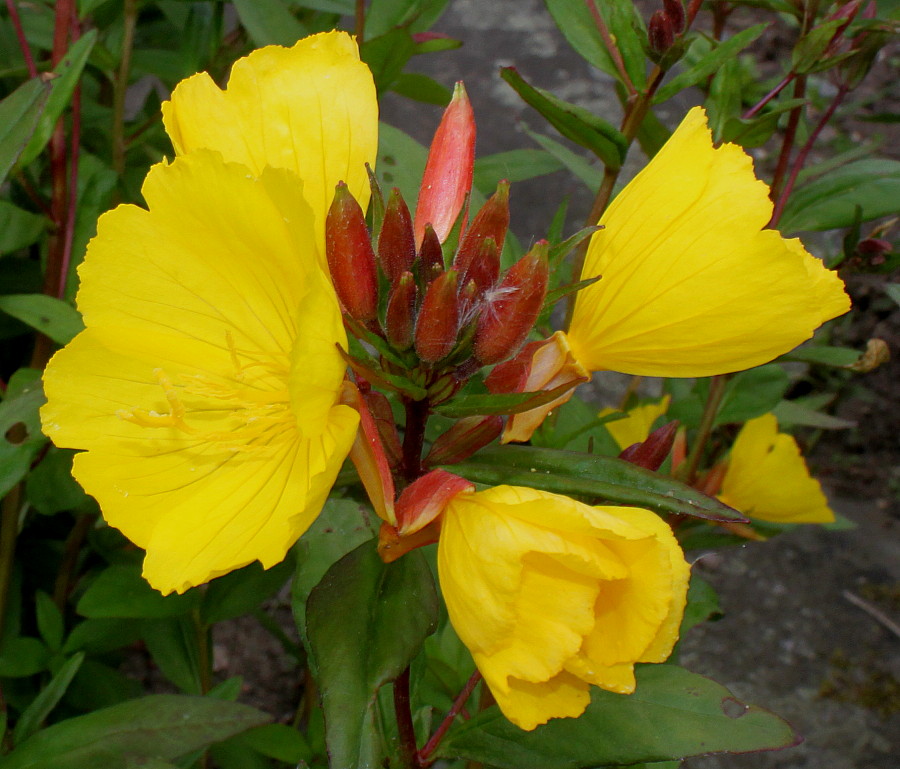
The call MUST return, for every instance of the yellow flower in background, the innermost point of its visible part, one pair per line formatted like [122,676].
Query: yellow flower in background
[552,596]
[691,284]
[205,386]
[637,423]
[767,477]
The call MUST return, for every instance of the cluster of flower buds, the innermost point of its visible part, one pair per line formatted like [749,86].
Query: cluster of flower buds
[432,288]
[665,25]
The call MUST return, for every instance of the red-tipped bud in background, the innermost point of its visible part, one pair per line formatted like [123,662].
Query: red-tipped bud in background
[674,9]
[511,309]
[491,223]
[653,451]
[400,320]
[438,321]
[351,260]
[448,170]
[660,32]
[431,257]
[396,245]
[467,436]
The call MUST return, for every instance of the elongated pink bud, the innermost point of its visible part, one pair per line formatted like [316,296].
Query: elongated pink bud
[653,451]
[396,245]
[448,171]
[351,260]
[511,309]
[660,32]
[463,439]
[400,319]
[438,321]
[474,260]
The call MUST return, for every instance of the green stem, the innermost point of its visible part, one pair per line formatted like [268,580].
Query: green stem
[120,88]
[204,643]
[9,530]
[72,549]
[707,422]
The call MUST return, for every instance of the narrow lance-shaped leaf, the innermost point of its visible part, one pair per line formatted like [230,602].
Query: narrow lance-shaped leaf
[19,114]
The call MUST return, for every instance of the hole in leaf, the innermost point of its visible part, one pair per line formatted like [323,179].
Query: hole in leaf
[17,434]
[733,708]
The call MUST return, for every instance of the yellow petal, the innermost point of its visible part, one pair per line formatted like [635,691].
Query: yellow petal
[636,426]
[529,704]
[311,109]
[767,477]
[614,678]
[691,285]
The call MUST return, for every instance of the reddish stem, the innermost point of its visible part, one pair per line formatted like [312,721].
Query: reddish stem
[405,729]
[790,134]
[20,34]
[754,110]
[455,710]
[692,11]
[803,154]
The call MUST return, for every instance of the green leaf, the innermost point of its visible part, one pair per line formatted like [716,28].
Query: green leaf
[710,63]
[514,166]
[401,162]
[50,487]
[19,115]
[53,317]
[277,741]
[18,228]
[824,355]
[173,644]
[243,590]
[99,636]
[48,698]
[269,22]
[752,393]
[794,414]
[20,427]
[591,176]
[342,526]
[505,403]
[893,291]
[49,620]
[366,620]
[68,73]
[702,604]
[808,52]
[419,87]
[158,727]
[121,591]
[387,55]
[593,476]
[829,201]
[672,714]
[575,123]
[21,657]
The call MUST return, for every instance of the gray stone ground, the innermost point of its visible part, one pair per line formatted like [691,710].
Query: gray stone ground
[789,634]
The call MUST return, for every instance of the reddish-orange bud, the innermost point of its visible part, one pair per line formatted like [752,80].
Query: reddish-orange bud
[475,260]
[653,451]
[674,9]
[660,32]
[431,257]
[351,260]
[448,170]
[425,499]
[396,245]
[381,411]
[438,321]
[463,439]
[400,319]
[511,309]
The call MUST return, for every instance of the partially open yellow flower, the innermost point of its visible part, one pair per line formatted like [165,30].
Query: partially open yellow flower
[635,427]
[551,595]
[767,477]
[205,388]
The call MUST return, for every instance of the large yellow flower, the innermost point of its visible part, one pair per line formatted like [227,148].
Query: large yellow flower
[691,284]
[205,387]
[767,477]
[551,595]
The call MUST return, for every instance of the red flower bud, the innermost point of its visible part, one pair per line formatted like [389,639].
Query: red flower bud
[674,9]
[463,439]
[425,499]
[438,321]
[431,257]
[401,312]
[660,32]
[448,170]
[511,309]
[351,260]
[396,245]
[653,451]
[491,223]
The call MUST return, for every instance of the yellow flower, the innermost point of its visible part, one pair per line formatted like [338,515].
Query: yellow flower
[636,425]
[767,477]
[691,284]
[205,386]
[551,596]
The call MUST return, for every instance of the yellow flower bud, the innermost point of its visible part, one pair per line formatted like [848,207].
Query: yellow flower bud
[551,595]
